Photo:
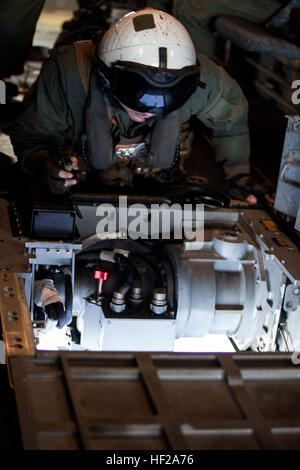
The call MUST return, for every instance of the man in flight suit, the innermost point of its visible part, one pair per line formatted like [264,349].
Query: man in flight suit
[136,86]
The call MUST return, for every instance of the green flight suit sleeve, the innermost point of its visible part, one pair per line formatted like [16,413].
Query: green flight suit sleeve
[47,123]
[222,107]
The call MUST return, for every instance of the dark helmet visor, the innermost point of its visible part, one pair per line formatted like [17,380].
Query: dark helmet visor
[152,90]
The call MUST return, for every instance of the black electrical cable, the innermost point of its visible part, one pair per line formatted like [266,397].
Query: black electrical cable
[67,318]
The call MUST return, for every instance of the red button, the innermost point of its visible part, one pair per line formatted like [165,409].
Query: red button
[101,275]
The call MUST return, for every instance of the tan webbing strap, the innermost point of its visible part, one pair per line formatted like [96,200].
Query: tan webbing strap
[85,51]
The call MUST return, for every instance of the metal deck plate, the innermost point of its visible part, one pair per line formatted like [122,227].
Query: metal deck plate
[144,401]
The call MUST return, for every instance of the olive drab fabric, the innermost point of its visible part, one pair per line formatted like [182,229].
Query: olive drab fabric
[197,15]
[56,114]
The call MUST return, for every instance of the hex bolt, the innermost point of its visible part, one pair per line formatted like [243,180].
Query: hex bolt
[118,295]
[296,291]
[136,293]
[118,302]
[159,294]
[159,304]
[136,290]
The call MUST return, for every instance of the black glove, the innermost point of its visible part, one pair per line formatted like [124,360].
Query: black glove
[55,182]
[57,312]
[43,164]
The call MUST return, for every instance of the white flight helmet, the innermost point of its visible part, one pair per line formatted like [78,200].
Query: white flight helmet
[148,61]
[139,36]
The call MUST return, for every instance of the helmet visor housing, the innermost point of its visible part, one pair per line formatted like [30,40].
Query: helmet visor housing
[152,90]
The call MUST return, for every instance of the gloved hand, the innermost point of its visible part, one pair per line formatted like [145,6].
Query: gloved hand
[51,168]
[59,177]
[245,187]
[56,311]
[47,297]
